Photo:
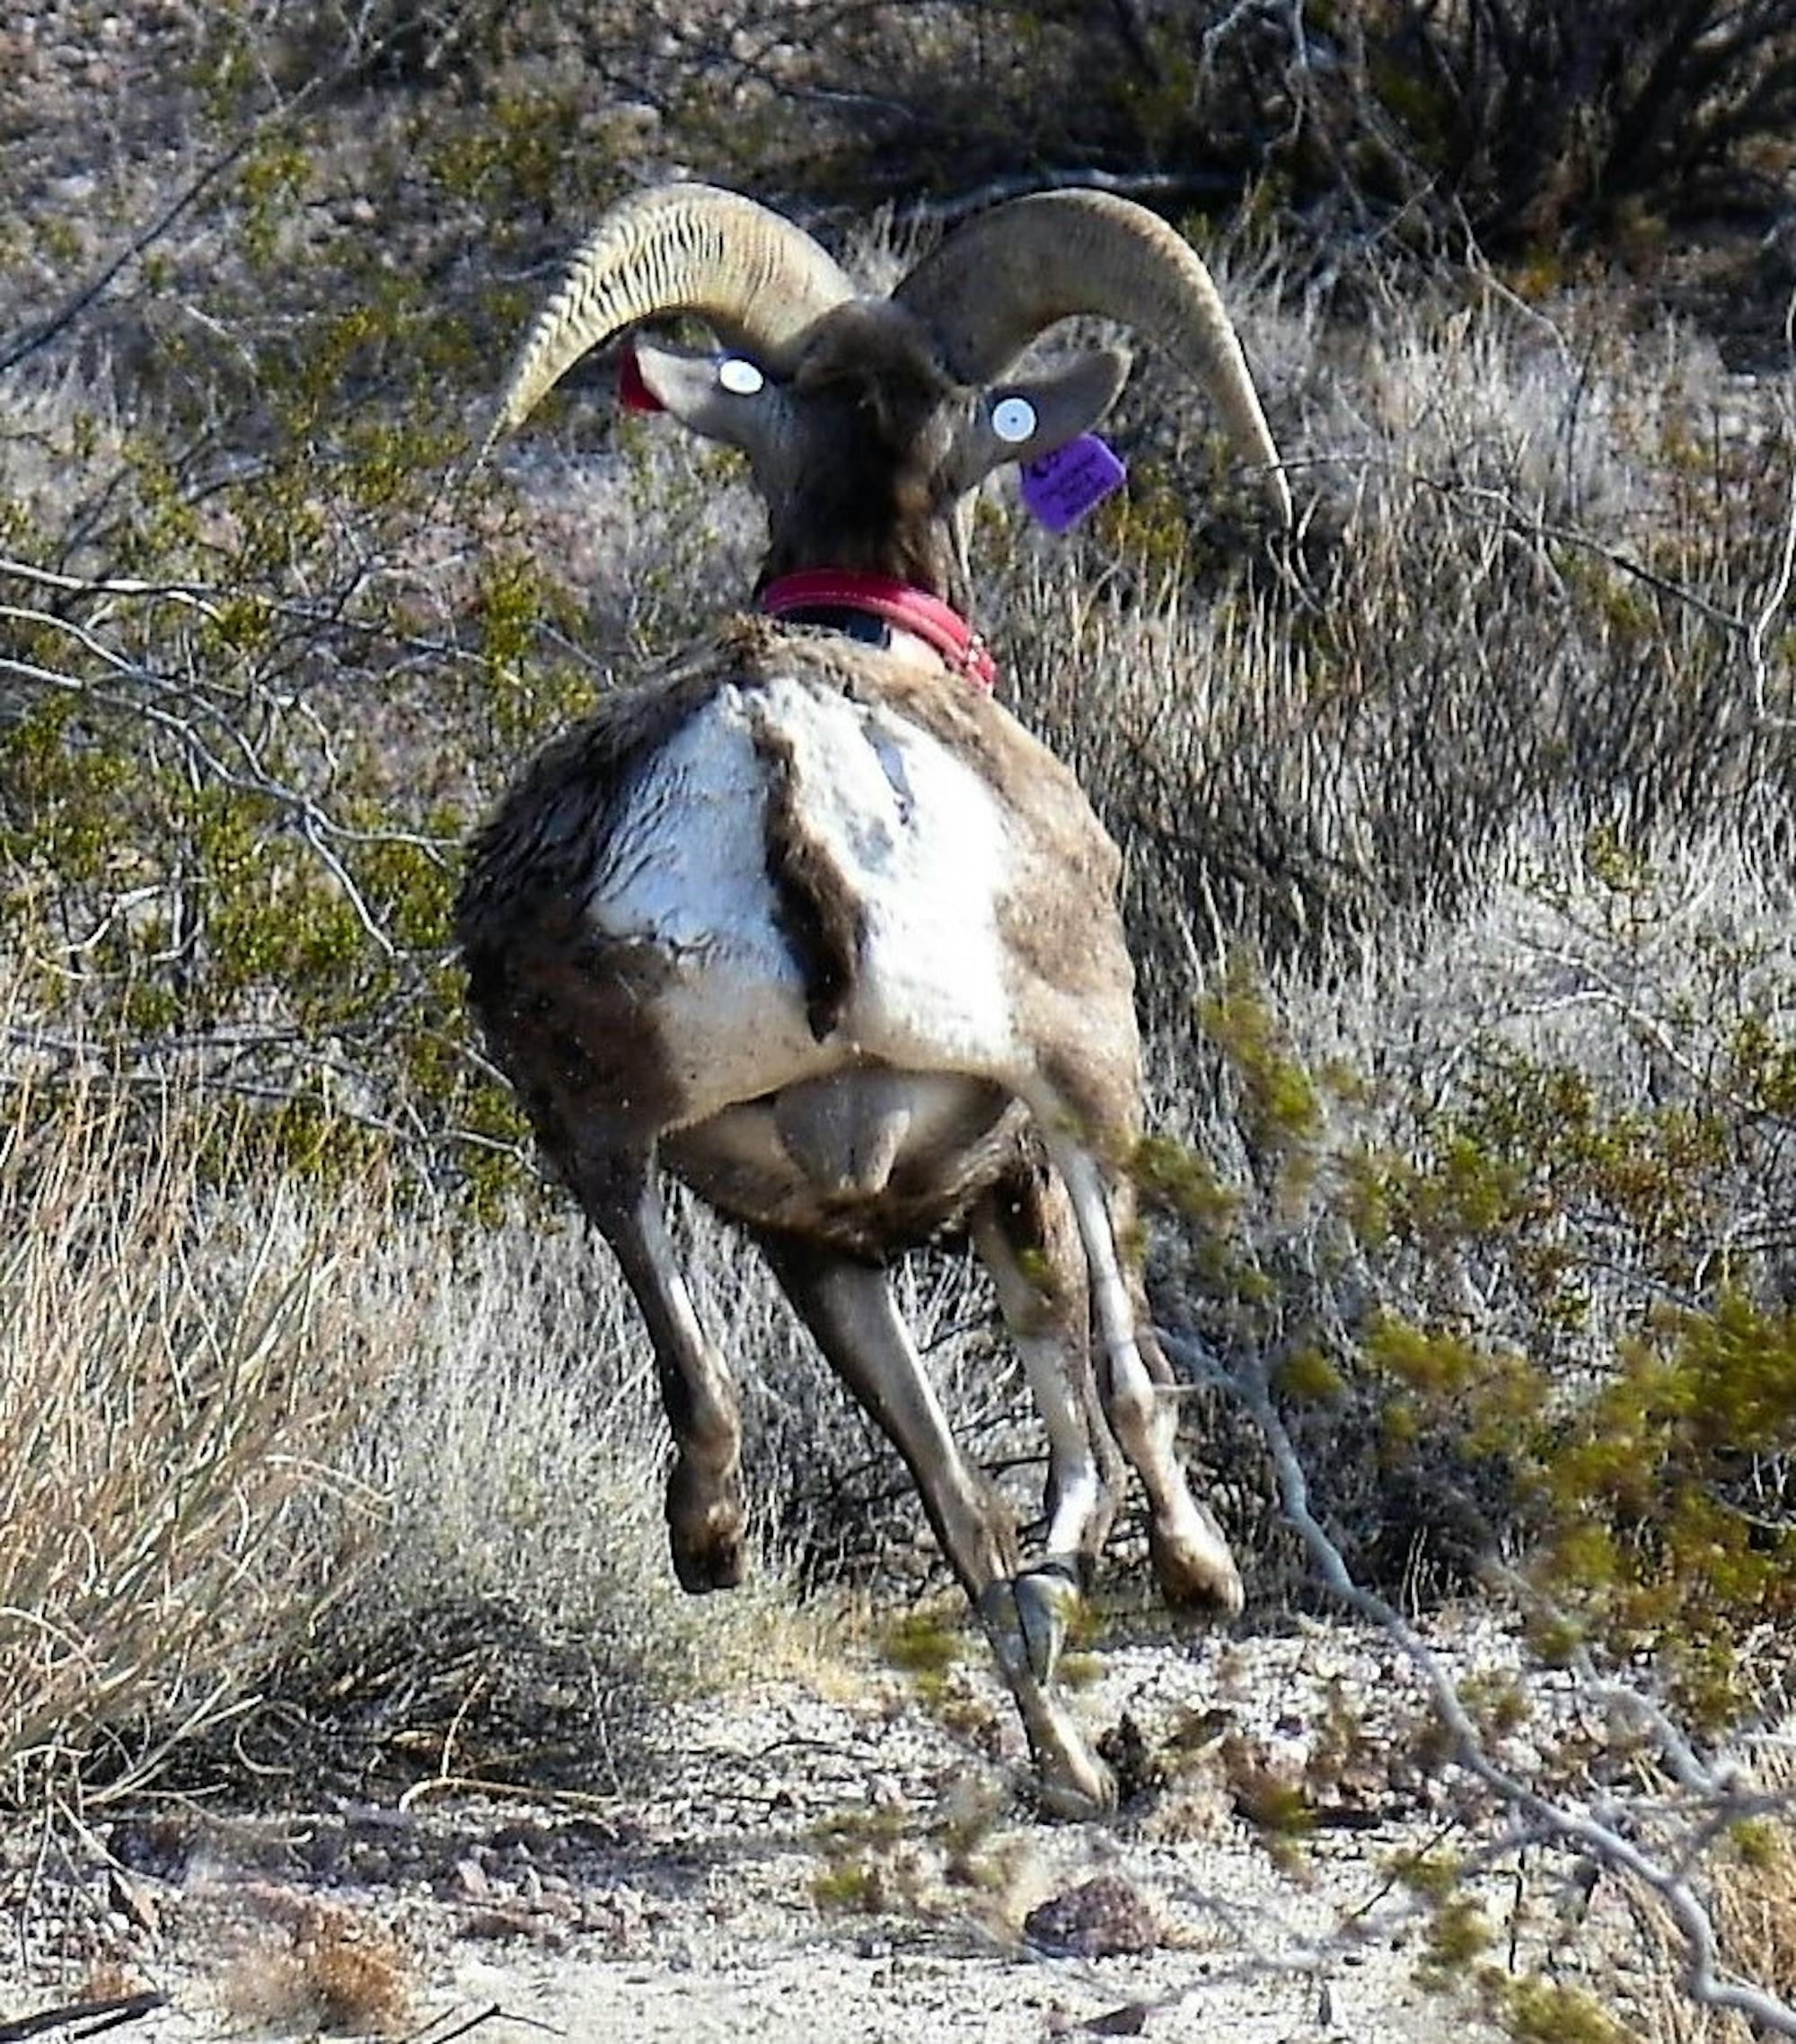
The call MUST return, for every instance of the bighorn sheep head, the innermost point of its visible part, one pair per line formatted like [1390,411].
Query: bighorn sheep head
[868,421]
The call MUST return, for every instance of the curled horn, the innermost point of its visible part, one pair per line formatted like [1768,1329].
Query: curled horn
[754,277]
[1010,273]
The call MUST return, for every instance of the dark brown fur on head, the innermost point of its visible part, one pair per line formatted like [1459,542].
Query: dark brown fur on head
[871,489]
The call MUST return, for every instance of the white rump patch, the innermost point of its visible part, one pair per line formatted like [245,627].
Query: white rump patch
[919,839]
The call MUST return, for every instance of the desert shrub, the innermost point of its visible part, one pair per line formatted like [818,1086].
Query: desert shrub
[303,1482]
[1611,1179]
[1540,115]
[1527,121]
[1754,1886]
[1526,616]
[1514,1244]
[1523,121]
[267,648]
[512,1614]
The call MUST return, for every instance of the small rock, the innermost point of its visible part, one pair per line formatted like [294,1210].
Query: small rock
[1129,2020]
[1098,1919]
[502,1925]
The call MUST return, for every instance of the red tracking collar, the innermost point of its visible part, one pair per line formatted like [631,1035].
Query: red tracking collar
[898,603]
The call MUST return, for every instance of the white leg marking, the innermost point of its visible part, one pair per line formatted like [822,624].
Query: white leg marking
[1072,1468]
[1074,1486]
[1191,1555]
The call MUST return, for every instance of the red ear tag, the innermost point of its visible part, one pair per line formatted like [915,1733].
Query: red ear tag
[633,393]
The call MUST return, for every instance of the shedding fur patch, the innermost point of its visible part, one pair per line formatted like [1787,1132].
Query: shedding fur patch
[817,912]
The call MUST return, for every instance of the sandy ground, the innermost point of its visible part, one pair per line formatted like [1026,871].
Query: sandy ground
[852,1859]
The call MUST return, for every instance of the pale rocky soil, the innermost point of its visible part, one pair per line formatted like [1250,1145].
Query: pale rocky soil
[837,1859]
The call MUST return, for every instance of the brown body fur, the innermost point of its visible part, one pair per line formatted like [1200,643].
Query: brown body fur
[533,969]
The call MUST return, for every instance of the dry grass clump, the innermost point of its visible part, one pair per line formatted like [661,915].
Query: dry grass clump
[1522,613]
[178,1368]
[279,1448]
[509,1611]
[1751,1890]
[527,1433]
[359,1485]
[315,1966]
[1755,1907]
[520,1586]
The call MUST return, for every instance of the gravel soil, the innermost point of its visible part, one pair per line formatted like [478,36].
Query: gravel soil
[845,1859]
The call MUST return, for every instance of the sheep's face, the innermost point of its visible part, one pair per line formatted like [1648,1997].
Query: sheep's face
[865,450]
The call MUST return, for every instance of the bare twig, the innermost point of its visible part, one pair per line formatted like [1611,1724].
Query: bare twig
[70,309]
[275,118]
[105,2014]
[1586,1833]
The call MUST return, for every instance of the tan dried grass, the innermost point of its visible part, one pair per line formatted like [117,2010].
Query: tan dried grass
[314,1965]
[254,1433]
[1751,1892]
[176,1368]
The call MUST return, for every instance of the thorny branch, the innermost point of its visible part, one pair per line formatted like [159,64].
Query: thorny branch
[1544,1819]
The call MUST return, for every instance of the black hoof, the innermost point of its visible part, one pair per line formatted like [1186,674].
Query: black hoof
[704,1530]
[715,1562]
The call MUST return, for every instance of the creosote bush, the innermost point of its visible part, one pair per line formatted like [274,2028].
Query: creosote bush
[1524,119]
[1531,1310]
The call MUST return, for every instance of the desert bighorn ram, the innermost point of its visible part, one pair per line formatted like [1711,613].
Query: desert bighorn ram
[809,921]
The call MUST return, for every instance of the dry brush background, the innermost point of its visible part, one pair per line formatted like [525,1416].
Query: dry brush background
[1459,874]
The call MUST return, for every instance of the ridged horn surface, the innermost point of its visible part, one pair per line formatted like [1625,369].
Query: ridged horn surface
[1010,273]
[755,278]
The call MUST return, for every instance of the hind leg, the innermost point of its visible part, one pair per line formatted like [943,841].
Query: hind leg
[849,1308]
[1026,1236]
[1190,1558]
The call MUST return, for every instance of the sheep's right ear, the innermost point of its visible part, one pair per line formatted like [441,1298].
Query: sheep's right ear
[724,397]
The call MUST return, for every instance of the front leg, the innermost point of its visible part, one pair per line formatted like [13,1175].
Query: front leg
[704,1489]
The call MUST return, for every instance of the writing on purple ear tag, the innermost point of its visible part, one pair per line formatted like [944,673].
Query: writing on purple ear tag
[1060,488]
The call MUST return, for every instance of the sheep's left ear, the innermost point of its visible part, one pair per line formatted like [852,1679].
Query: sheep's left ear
[724,397]
[1021,422]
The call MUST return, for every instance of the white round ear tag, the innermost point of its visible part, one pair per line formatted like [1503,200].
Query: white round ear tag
[1013,420]
[739,376]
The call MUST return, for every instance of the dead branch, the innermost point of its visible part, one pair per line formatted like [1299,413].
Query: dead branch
[1544,1819]
[106,2014]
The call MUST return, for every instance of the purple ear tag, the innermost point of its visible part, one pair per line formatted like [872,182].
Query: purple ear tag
[1060,488]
